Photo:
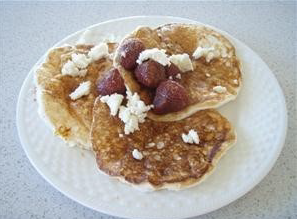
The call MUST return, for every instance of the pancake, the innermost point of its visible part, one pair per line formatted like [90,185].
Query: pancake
[221,69]
[70,119]
[168,162]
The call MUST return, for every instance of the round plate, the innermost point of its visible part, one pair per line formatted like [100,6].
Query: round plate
[258,115]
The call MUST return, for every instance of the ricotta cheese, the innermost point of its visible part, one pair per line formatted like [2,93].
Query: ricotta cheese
[99,51]
[113,101]
[150,145]
[182,61]
[137,154]
[178,76]
[80,60]
[211,47]
[160,145]
[191,138]
[69,68]
[203,51]
[82,90]
[158,55]
[219,89]
[133,113]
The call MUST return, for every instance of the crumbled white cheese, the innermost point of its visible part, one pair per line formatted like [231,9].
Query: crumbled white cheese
[83,89]
[202,51]
[176,157]
[80,60]
[82,72]
[121,135]
[69,68]
[182,61]
[155,54]
[178,76]
[207,75]
[133,113]
[219,89]
[99,51]
[235,81]
[137,154]
[211,47]
[160,145]
[170,78]
[113,101]
[150,145]
[191,138]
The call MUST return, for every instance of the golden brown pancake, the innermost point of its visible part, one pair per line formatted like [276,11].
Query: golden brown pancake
[185,38]
[176,164]
[70,119]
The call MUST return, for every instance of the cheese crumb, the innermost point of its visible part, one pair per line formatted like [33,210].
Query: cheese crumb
[207,75]
[191,138]
[99,51]
[83,89]
[121,135]
[170,78]
[151,144]
[82,72]
[80,60]
[160,145]
[235,81]
[113,101]
[133,113]
[137,154]
[69,68]
[178,76]
[219,89]
[176,157]
[182,61]
[202,51]
[211,47]
[155,54]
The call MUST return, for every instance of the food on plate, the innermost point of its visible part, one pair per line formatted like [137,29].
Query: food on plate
[66,89]
[144,107]
[160,155]
[200,59]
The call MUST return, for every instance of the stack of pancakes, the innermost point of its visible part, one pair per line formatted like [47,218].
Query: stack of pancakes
[167,161]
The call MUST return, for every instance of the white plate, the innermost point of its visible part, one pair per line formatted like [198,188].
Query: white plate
[258,114]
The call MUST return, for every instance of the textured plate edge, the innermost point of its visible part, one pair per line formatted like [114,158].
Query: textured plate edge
[264,172]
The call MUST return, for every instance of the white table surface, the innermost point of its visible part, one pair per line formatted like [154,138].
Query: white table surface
[29,29]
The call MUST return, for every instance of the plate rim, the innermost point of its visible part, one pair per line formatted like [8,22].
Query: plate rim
[228,200]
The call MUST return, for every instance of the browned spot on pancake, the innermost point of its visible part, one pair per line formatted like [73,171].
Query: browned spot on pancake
[63,131]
